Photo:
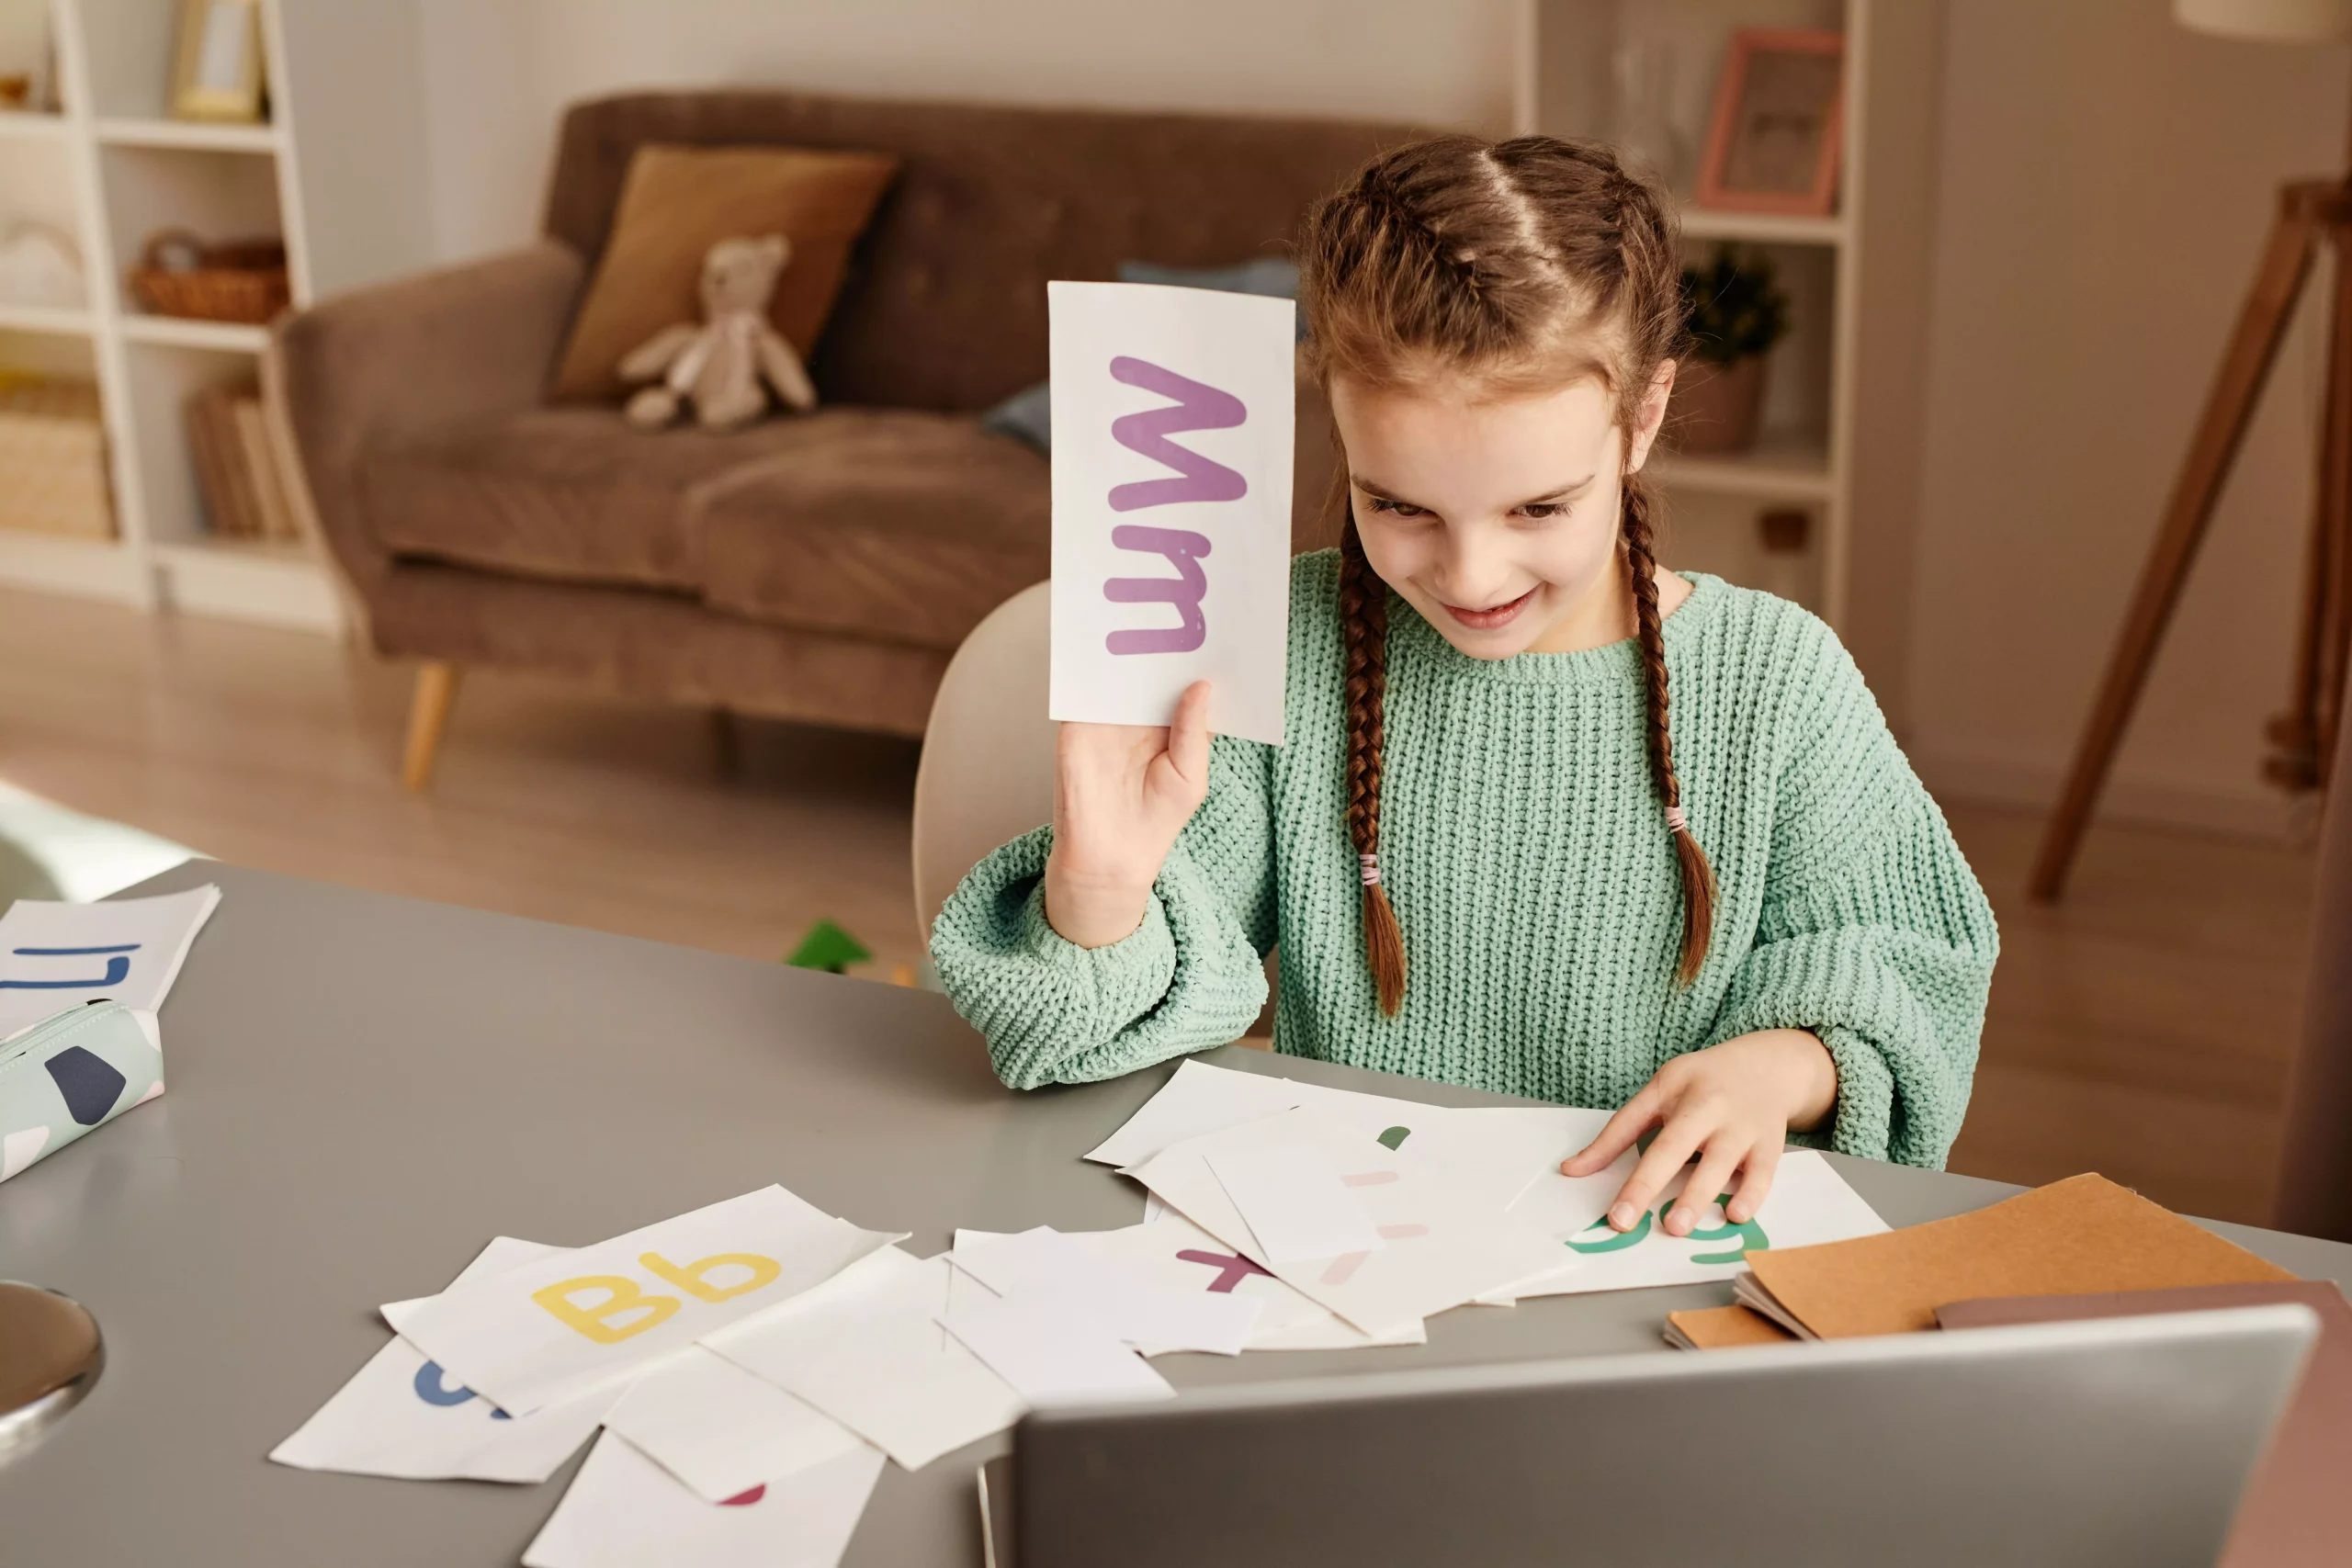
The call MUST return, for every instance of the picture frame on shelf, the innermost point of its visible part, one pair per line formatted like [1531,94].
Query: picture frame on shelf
[216,68]
[1778,131]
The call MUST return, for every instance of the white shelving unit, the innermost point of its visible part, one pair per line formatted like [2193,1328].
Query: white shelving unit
[1806,456]
[339,172]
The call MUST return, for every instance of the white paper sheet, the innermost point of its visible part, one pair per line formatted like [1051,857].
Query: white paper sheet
[625,1511]
[1053,1351]
[1146,1313]
[54,956]
[401,1415]
[1293,1202]
[1171,475]
[876,1360]
[1448,1245]
[1198,1098]
[544,1331]
[721,1430]
[1809,1205]
[1495,1153]
[1178,1253]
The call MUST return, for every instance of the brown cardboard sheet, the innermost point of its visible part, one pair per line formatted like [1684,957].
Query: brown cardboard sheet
[2081,1234]
[2291,1516]
[1718,1328]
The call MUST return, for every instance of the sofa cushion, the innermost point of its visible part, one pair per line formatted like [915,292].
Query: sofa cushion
[901,526]
[680,201]
[575,494]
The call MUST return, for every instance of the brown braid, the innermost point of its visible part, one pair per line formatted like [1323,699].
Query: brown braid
[1363,626]
[1532,262]
[1697,875]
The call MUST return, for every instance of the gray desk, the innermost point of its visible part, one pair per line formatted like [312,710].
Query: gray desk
[363,1090]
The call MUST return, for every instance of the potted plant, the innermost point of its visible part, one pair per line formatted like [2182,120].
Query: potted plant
[1737,312]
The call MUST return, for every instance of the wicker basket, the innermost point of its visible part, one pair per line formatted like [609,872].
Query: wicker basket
[179,274]
[52,458]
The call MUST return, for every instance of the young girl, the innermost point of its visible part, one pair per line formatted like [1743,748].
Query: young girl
[1549,820]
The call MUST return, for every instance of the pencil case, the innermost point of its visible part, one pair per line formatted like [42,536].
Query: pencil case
[74,1071]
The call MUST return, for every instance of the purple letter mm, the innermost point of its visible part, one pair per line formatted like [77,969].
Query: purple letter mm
[1197,406]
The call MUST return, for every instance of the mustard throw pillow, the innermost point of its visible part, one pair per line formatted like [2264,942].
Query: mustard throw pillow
[679,201]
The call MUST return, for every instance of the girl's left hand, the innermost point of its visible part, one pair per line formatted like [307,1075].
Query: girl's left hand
[1733,1106]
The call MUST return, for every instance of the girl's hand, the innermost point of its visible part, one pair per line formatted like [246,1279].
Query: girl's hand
[1733,1106]
[1122,792]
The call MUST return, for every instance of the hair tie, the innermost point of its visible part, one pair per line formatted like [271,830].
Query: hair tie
[1371,864]
[1675,822]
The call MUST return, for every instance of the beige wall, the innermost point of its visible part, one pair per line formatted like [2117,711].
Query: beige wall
[2104,185]
[500,70]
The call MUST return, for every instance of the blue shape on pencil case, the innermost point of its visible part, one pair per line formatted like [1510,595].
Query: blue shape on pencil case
[89,1084]
[432,1391]
[118,969]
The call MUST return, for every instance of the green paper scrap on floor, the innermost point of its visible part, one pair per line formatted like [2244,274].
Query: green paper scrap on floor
[829,948]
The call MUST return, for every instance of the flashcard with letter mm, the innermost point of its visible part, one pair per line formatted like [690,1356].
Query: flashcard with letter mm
[1171,503]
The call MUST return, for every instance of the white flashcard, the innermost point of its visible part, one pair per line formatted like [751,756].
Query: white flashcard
[1177,1253]
[54,956]
[1147,1313]
[1447,1244]
[1810,1203]
[1171,475]
[552,1328]
[1053,1351]
[625,1511]
[721,1430]
[401,1415]
[1495,1153]
[1293,1202]
[876,1360]
[1198,1098]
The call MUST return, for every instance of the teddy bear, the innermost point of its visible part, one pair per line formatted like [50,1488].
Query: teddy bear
[719,364]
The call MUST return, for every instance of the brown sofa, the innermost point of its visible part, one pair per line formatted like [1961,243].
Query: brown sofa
[820,568]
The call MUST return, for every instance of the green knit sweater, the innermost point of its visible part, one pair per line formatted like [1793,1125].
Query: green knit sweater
[1524,845]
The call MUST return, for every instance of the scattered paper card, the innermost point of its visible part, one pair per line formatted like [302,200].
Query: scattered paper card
[1497,1153]
[1150,1314]
[721,1430]
[625,1511]
[1171,475]
[1053,1351]
[1810,1203]
[534,1335]
[1447,1247]
[1179,1253]
[1196,1099]
[1293,1202]
[128,950]
[876,1360]
[401,1415]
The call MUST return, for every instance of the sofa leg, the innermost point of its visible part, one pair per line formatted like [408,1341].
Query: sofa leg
[428,716]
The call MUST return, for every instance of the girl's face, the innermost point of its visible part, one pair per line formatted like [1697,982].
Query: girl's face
[1495,514]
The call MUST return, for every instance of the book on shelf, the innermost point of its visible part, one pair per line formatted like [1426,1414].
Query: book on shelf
[237,468]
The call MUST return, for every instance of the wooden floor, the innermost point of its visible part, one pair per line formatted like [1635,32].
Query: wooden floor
[2141,1029]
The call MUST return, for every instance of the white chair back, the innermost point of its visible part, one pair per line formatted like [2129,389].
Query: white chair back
[987,773]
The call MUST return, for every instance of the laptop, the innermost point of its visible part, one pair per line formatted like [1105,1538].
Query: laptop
[2121,1442]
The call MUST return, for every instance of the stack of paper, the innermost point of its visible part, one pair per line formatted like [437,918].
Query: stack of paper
[2080,1235]
[703,1461]
[1382,1237]
[1495,1161]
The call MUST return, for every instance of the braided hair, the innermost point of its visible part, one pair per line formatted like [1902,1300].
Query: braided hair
[1536,262]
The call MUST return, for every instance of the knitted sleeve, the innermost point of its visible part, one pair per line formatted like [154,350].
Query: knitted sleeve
[1190,977]
[1873,933]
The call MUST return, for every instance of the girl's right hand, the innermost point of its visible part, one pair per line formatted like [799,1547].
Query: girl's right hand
[1122,792]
